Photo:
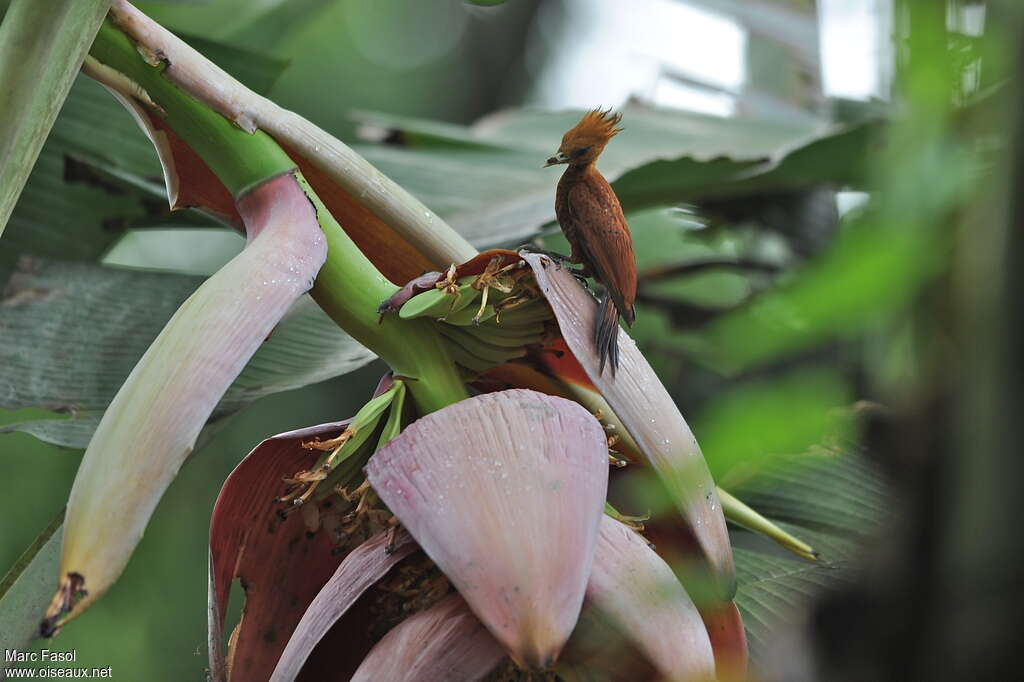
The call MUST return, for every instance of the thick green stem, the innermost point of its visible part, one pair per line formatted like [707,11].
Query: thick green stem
[241,160]
[348,287]
[41,48]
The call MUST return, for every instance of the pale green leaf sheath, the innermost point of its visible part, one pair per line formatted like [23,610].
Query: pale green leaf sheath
[152,423]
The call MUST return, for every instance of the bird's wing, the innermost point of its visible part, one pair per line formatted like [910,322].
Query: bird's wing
[604,238]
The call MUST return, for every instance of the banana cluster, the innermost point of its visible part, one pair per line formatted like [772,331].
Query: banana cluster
[488,319]
[340,465]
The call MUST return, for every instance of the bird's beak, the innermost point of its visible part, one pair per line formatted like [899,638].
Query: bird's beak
[557,159]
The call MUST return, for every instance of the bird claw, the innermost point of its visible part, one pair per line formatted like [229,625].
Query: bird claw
[558,258]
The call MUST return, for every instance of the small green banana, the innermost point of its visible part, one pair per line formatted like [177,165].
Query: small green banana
[527,313]
[476,346]
[464,359]
[438,303]
[509,338]
[468,316]
[393,425]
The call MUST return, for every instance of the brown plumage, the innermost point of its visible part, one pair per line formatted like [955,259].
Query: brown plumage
[592,220]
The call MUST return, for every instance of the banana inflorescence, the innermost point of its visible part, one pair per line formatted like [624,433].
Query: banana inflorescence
[487,319]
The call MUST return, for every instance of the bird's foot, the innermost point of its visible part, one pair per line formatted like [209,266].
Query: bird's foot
[561,261]
[533,248]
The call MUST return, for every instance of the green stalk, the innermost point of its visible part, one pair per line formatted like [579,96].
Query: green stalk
[742,515]
[42,45]
[241,160]
[348,287]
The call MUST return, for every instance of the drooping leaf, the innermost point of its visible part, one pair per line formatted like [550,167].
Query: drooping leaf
[71,332]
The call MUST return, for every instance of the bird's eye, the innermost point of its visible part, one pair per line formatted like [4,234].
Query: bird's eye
[580,152]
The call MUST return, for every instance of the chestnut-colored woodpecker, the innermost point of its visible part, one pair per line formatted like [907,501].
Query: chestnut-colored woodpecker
[591,218]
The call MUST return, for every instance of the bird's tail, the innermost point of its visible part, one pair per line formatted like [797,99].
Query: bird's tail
[606,333]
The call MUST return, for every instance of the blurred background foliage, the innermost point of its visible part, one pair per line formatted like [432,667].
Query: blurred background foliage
[795,174]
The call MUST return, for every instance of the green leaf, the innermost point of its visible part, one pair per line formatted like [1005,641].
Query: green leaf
[840,158]
[834,502]
[9,418]
[486,180]
[71,333]
[41,48]
[649,134]
[26,589]
[98,175]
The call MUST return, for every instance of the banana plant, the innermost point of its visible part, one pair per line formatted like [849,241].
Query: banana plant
[490,507]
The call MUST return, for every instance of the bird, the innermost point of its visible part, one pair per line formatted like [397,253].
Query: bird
[591,219]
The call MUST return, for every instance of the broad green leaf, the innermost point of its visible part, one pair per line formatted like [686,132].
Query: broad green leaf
[26,589]
[98,175]
[41,47]
[486,180]
[71,333]
[9,418]
[835,502]
[650,134]
[839,158]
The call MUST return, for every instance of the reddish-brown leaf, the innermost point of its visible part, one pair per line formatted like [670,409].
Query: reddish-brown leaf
[280,565]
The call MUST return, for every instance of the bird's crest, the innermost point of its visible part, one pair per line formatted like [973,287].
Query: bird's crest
[597,123]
